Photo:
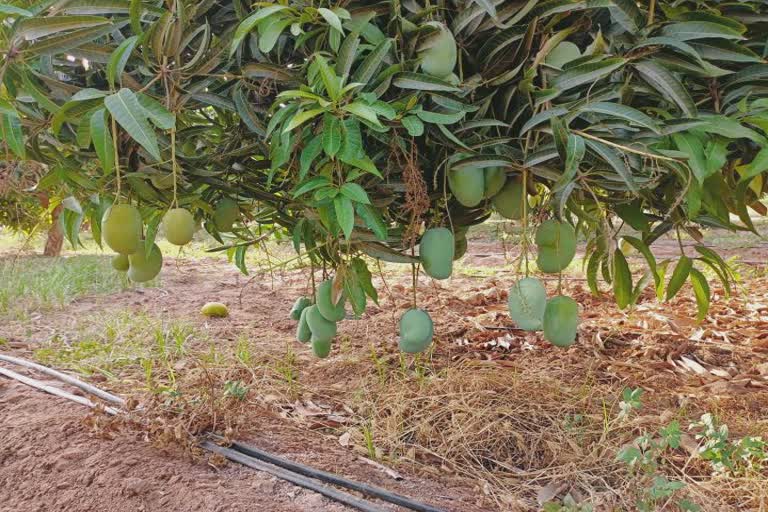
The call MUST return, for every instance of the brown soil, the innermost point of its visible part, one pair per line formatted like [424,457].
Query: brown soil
[50,461]
[54,457]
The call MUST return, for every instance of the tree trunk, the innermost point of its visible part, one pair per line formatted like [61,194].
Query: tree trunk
[55,239]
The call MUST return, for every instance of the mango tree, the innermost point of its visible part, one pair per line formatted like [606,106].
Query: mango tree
[364,128]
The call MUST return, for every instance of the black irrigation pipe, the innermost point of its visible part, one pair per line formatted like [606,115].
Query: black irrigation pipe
[252,457]
[331,478]
[294,478]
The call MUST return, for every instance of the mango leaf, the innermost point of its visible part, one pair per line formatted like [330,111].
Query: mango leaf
[372,61]
[257,71]
[250,22]
[689,30]
[627,14]
[616,161]
[301,118]
[692,147]
[12,10]
[157,114]
[667,85]
[270,32]
[372,219]
[355,192]
[345,214]
[347,54]
[679,276]
[643,249]
[385,253]
[311,184]
[587,73]
[331,135]
[119,59]
[308,155]
[624,112]
[575,151]
[332,19]
[364,277]
[102,140]
[413,125]
[128,112]
[438,118]
[11,134]
[362,111]
[701,292]
[622,280]
[35,28]
[422,82]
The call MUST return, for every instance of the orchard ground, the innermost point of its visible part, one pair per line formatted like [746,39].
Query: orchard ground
[491,418]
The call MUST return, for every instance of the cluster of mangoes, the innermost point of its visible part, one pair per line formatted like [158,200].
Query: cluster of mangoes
[122,227]
[121,230]
[471,185]
[317,322]
[528,306]
[558,317]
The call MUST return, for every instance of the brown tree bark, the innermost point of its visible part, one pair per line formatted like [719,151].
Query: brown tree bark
[55,239]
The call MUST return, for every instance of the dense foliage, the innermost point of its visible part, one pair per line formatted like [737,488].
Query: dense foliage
[356,125]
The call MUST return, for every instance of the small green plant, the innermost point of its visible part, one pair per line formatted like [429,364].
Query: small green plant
[631,401]
[644,457]
[738,457]
[380,364]
[567,505]
[243,351]
[235,389]
[287,368]
[370,445]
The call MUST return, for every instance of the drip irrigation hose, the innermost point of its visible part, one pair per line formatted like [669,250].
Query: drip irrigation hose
[250,456]
[109,397]
[294,478]
[53,390]
[331,478]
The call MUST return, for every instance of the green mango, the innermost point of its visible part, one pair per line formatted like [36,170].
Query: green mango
[321,347]
[121,228]
[303,333]
[509,200]
[179,226]
[318,325]
[298,307]
[467,185]
[324,299]
[527,302]
[142,268]
[556,243]
[416,330]
[120,262]
[495,178]
[561,321]
[215,310]
[225,215]
[439,58]
[436,252]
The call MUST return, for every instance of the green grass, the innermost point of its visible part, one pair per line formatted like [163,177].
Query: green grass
[33,284]
[126,343]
